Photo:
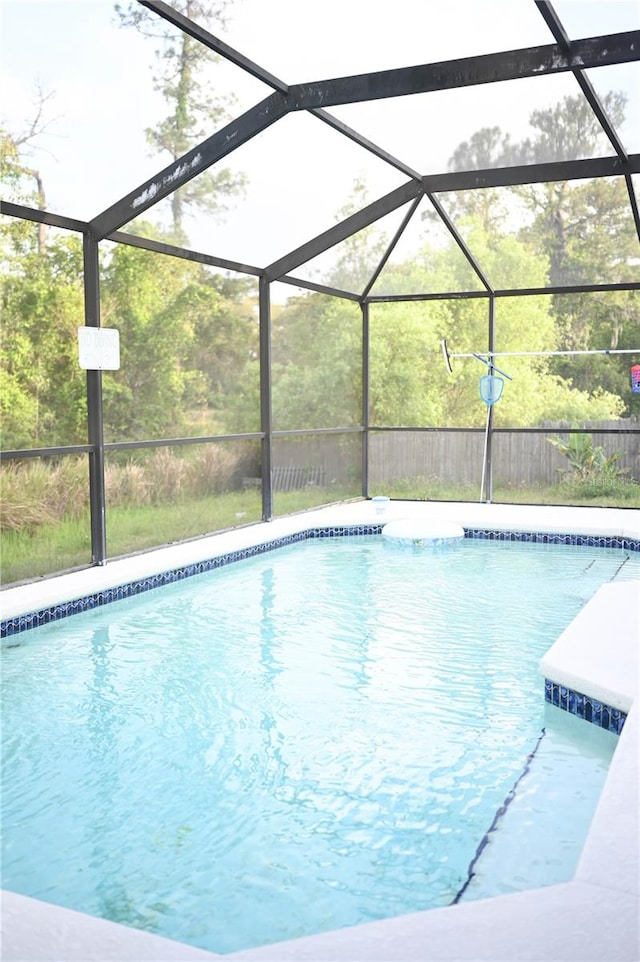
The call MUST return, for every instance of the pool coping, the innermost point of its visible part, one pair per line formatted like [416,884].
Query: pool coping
[591,917]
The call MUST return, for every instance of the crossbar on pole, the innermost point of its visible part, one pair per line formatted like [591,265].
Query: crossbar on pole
[481,355]
[477,354]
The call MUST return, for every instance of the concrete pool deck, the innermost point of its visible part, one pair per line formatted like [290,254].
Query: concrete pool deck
[593,917]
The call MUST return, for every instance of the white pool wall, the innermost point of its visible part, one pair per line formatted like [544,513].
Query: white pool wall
[593,917]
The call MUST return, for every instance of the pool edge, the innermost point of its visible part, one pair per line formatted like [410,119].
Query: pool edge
[593,916]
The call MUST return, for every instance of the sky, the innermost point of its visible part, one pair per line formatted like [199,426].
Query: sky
[98,79]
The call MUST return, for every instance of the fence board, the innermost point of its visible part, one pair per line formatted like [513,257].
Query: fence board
[452,457]
[517,458]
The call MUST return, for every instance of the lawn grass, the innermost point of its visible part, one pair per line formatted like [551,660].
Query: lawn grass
[67,544]
[614,493]
[45,549]
[50,548]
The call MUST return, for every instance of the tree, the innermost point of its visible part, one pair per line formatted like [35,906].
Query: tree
[186,339]
[184,79]
[143,399]
[407,377]
[42,390]
[486,148]
[42,399]
[582,226]
[583,229]
[18,175]
[589,234]
[316,367]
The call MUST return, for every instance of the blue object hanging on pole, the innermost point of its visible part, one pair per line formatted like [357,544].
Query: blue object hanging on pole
[491,388]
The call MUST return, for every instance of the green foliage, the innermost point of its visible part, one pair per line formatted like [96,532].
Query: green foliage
[407,379]
[600,489]
[144,398]
[587,461]
[188,342]
[316,364]
[316,351]
[187,337]
[43,396]
[584,233]
[600,321]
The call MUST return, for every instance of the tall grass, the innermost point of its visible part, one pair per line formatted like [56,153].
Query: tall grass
[135,527]
[164,498]
[38,492]
[45,492]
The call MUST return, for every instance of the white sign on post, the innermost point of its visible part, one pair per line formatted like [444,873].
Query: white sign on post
[99,348]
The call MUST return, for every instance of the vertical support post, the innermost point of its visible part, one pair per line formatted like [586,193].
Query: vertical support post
[365,398]
[488,476]
[266,420]
[94,408]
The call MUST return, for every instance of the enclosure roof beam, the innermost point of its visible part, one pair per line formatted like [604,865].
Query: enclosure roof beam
[598,51]
[506,292]
[351,225]
[453,230]
[469,71]
[194,162]
[633,202]
[224,141]
[319,288]
[214,43]
[392,245]
[532,173]
[452,181]
[365,143]
[555,26]
[42,217]
[161,247]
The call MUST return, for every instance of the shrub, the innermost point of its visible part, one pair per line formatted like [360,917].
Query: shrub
[166,475]
[23,505]
[126,484]
[42,492]
[587,461]
[212,470]
[594,488]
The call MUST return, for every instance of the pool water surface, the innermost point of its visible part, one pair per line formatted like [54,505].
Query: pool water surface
[308,739]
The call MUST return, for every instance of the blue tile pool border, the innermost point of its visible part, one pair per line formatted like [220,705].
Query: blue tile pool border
[44,616]
[552,537]
[584,706]
[65,609]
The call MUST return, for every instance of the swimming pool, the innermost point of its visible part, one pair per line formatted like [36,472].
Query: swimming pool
[385,660]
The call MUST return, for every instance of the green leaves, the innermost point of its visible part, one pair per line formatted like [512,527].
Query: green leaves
[186,343]
[593,473]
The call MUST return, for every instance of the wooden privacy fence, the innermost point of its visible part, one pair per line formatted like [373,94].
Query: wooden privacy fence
[452,456]
[518,458]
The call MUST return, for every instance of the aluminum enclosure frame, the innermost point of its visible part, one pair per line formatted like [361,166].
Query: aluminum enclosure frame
[563,56]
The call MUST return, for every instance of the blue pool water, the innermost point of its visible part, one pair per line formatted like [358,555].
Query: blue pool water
[312,738]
